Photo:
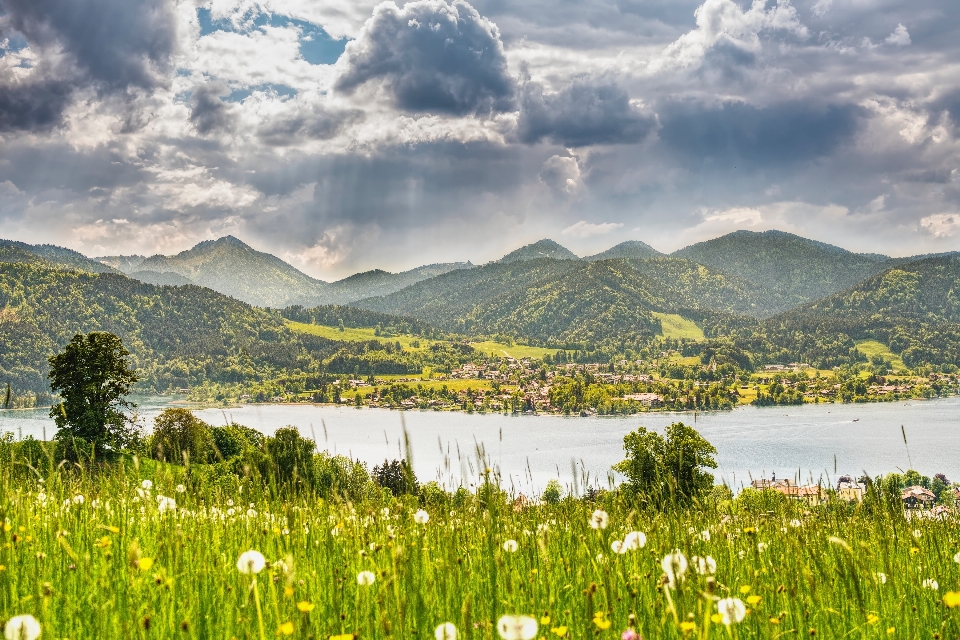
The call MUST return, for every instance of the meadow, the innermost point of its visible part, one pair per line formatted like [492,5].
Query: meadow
[142,549]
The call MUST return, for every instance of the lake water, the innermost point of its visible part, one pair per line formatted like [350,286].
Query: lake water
[811,442]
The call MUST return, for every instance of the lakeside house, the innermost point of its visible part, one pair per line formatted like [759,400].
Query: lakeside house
[849,490]
[811,494]
[917,497]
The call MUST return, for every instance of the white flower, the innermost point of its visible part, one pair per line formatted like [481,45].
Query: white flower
[917,533]
[366,578]
[617,546]
[600,557]
[146,485]
[956,558]
[705,535]
[231,511]
[741,554]
[632,541]
[42,498]
[882,577]
[510,546]
[165,504]
[705,566]
[761,546]
[599,519]
[251,513]
[691,530]
[517,627]
[421,517]
[446,631]
[229,502]
[335,531]
[78,499]
[795,523]
[930,583]
[181,489]
[281,567]
[23,627]
[675,566]
[732,609]
[385,512]
[251,562]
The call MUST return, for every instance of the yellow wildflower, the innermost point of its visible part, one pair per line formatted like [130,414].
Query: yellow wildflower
[951,599]
[559,631]
[285,629]
[687,626]
[105,541]
[145,564]
[891,630]
[342,636]
[288,591]
[112,529]
[716,618]
[600,620]
[305,606]
[774,620]
[6,527]
[545,620]
[873,618]
[745,589]
[754,600]
[750,530]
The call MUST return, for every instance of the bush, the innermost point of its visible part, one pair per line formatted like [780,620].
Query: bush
[340,476]
[232,440]
[397,476]
[179,436]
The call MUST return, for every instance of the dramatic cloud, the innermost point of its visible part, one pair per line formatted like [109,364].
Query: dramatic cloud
[586,112]
[432,56]
[347,135]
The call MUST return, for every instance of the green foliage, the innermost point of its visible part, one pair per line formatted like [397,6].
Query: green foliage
[179,436]
[553,493]
[291,459]
[667,468]
[397,476]
[93,377]
[233,440]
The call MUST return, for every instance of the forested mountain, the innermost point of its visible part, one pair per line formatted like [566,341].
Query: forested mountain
[124,264]
[50,255]
[913,307]
[380,283]
[787,269]
[565,301]
[168,278]
[538,250]
[631,249]
[231,267]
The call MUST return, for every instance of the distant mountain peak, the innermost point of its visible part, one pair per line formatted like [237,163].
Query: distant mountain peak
[220,242]
[631,249]
[545,248]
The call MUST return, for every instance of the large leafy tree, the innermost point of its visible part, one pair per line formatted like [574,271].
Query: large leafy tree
[93,378]
[669,467]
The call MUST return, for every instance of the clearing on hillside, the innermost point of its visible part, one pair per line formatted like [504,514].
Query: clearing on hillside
[871,348]
[675,326]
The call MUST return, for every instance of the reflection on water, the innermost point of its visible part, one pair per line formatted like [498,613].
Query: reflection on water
[809,442]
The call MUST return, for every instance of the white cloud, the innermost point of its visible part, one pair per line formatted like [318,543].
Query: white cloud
[561,174]
[584,229]
[941,225]
[900,36]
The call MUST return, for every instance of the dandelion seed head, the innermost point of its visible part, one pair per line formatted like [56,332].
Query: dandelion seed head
[146,485]
[705,566]
[78,499]
[181,489]
[705,535]
[795,523]
[599,519]
[446,631]
[674,565]
[23,627]
[633,541]
[366,578]
[882,577]
[421,517]
[510,546]
[517,627]
[761,546]
[251,562]
[931,584]
[165,504]
[731,610]
[617,546]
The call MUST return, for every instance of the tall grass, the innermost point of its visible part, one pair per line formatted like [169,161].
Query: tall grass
[91,553]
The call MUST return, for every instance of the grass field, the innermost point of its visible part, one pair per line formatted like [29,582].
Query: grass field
[675,326]
[106,555]
[515,351]
[355,335]
[871,348]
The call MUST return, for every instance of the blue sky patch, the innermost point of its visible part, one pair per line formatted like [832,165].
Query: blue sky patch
[239,95]
[316,45]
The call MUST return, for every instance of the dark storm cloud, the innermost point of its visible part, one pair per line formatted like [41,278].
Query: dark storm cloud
[33,106]
[432,56]
[778,135]
[208,112]
[587,111]
[117,43]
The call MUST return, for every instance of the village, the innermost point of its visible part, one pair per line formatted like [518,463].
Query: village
[916,499]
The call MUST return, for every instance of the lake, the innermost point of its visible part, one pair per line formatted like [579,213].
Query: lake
[809,443]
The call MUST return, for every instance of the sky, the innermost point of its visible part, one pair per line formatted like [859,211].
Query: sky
[345,135]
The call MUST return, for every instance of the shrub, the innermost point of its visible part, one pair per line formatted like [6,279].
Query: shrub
[291,459]
[232,440]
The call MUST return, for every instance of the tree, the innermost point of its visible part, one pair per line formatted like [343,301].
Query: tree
[553,493]
[179,436]
[667,468]
[92,377]
[397,476]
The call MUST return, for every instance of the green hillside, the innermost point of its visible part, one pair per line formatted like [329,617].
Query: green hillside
[566,301]
[12,251]
[913,308]
[231,267]
[787,270]
[381,283]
